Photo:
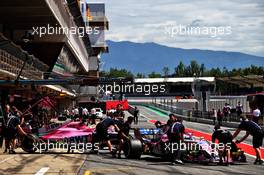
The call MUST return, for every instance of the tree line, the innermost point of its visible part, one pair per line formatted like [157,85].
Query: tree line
[182,70]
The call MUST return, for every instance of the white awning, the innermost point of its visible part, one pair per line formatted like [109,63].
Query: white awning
[173,80]
[60,89]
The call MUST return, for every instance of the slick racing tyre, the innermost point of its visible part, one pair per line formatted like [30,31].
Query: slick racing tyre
[28,142]
[132,149]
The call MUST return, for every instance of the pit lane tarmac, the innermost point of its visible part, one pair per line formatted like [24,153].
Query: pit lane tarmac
[104,164]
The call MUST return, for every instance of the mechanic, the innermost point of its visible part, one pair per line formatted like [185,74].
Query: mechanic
[92,117]
[7,115]
[165,127]
[256,115]
[119,111]
[13,129]
[123,134]
[136,114]
[172,119]
[239,109]
[102,132]
[34,123]
[76,113]
[158,124]
[175,135]
[256,131]
[224,137]
[226,112]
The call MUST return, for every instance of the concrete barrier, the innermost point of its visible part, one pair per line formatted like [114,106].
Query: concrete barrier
[195,119]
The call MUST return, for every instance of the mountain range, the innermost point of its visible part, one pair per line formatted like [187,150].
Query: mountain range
[148,57]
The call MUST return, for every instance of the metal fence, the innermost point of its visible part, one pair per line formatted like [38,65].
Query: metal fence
[218,102]
[173,106]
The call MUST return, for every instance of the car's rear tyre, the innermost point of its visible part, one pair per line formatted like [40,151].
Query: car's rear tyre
[132,149]
[29,143]
[185,157]
[243,158]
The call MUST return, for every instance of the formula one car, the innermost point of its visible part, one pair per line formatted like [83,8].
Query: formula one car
[77,133]
[69,133]
[155,142]
[193,149]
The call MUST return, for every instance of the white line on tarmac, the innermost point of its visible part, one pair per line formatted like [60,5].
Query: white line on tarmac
[147,114]
[7,159]
[42,171]
[144,116]
[250,155]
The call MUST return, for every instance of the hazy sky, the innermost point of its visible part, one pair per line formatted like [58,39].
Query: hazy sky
[147,21]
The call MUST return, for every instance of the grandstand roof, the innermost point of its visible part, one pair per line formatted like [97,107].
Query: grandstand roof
[244,81]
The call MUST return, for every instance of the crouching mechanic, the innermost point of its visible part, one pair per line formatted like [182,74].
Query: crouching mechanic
[255,130]
[102,132]
[224,138]
[123,134]
[175,136]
